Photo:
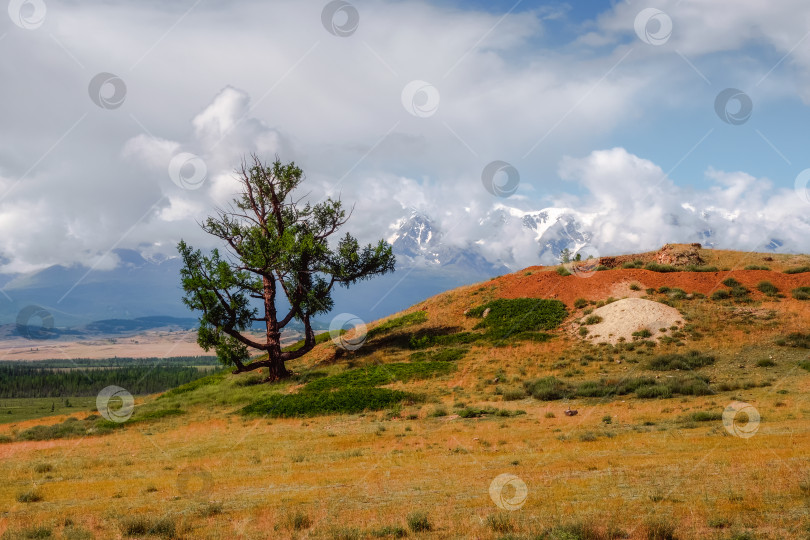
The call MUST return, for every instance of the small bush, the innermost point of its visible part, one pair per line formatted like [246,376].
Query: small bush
[513,394]
[417,317]
[731,283]
[796,340]
[694,268]
[593,319]
[547,388]
[390,531]
[37,532]
[757,267]
[344,400]
[580,303]
[655,267]
[635,287]
[798,270]
[29,496]
[766,362]
[688,361]
[643,333]
[721,294]
[563,271]
[660,530]
[801,293]
[767,288]
[144,525]
[703,416]
[419,522]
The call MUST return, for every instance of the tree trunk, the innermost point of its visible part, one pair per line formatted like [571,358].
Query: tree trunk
[276,370]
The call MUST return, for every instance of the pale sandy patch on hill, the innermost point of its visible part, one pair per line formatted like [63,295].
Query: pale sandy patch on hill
[623,317]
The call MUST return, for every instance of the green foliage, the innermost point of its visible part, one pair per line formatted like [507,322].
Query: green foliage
[642,334]
[551,388]
[592,319]
[580,303]
[703,416]
[477,412]
[635,264]
[425,340]
[757,267]
[417,317]
[323,337]
[694,268]
[798,270]
[563,271]
[721,294]
[655,267]
[214,378]
[163,527]
[378,375]
[509,317]
[795,339]
[766,362]
[276,246]
[440,355]
[801,293]
[767,288]
[33,381]
[29,496]
[684,362]
[342,401]
[731,282]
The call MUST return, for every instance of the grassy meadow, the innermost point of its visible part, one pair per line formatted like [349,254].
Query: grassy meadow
[409,435]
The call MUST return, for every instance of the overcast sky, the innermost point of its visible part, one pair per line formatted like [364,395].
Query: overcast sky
[122,121]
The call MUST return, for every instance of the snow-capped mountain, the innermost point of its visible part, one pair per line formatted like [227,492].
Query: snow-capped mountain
[418,242]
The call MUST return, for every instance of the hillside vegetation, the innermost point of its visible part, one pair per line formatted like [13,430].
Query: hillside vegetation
[407,435]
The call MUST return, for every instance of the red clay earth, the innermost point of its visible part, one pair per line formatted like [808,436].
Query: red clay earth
[543,283]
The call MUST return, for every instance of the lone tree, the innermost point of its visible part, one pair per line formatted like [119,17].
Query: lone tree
[273,243]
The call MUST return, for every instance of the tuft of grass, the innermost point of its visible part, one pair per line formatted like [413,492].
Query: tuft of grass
[411,319]
[593,319]
[757,267]
[40,531]
[500,522]
[660,530]
[687,361]
[766,362]
[419,522]
[655,267]
[580,303]
[30,496]
[441,355]
[563,271]
[389,531]
[721,294]
[551,388]
[731,283]
[801,293]
[767,288]
[163,527]
[796,340]
[299,521]
[642,334]
[703,416]
[798,270]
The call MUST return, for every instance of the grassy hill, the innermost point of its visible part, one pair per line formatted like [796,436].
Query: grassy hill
[411,434]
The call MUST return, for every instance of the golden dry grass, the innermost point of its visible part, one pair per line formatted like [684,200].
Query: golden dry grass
[215,474]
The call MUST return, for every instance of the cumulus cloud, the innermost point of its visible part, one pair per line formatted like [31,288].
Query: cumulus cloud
[77,180]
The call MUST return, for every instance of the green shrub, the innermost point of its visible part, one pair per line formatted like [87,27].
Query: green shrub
[766,362]
[801,293]
[37,532]
[643,333]
[721,294]
[660,530]
[513,394]
[796,340]
[300,521]
[655,267]
[798,270]
[703,416]
[29,496]
[635,264]
[768,288]
[563,271]
[343,401]
[390,531]
[547,388]
[731,283]
[757,267]
[378,375]
[419,522]
[417,317]
[694,268]
[687,361]
[510,317]
[635,287]
[580,303]
[593,319]
[143,525]
[441,355]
